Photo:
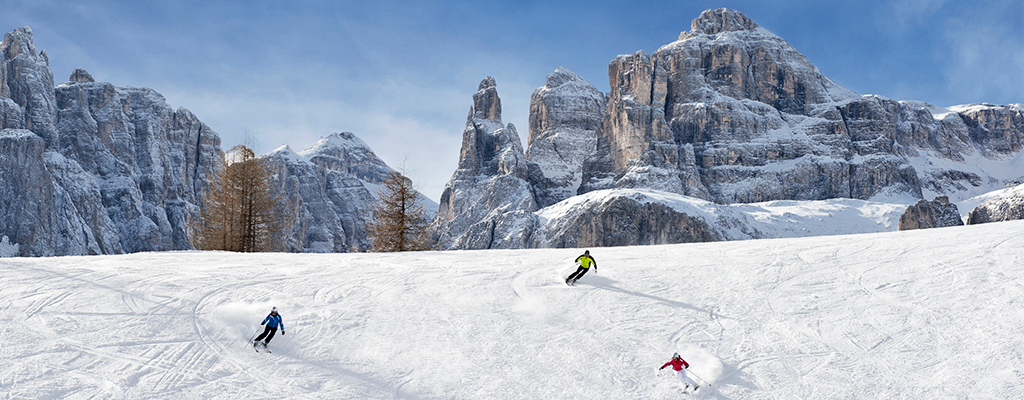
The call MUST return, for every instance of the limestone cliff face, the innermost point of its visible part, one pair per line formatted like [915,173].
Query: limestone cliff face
[37,213]
[732,113]
[332,187]
[114,169]
[93,168]
[488,202]
[564,116]
[151,161]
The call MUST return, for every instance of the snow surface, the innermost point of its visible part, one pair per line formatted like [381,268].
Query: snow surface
[930,313]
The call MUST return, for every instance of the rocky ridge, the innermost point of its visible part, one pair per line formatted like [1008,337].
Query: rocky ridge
[1007,205]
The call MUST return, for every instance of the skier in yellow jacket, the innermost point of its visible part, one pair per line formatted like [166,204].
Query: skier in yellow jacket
[585,261]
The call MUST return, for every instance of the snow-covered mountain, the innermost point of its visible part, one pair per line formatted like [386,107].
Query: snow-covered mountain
[729,114]
[92,168]
[732,113]
[334,185]
[921,314]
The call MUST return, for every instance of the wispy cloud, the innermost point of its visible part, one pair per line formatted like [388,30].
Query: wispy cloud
[986,54]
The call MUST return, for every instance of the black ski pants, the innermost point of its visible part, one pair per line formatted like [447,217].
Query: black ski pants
[268,333]
[578,274]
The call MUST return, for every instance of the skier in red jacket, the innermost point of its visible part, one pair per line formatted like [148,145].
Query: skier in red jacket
[680,365]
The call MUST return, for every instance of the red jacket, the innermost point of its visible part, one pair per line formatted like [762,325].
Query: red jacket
[677,364]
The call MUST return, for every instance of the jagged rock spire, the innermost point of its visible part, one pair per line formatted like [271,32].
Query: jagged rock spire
[490,186]
[486,104]
[26,79]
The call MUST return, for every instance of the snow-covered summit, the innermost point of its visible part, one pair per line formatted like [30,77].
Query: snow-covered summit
[286,152]
[342,141]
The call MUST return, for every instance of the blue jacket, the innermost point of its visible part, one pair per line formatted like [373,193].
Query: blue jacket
[273,321]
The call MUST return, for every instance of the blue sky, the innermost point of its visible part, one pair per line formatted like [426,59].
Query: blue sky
[401,74]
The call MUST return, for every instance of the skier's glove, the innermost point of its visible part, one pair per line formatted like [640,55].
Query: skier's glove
[261,324]
[282,332]
[659,369]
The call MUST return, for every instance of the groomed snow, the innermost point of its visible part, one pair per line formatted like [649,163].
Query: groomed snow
[920,314]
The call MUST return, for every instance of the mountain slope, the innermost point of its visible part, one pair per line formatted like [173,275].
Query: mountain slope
[915,314]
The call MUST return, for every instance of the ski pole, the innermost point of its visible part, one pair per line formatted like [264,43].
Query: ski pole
[698,377]
[251,337]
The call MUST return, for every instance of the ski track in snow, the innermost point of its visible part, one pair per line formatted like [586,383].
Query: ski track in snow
[919,314]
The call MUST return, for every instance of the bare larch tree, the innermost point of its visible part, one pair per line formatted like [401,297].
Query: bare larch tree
[400,222]
[241,210]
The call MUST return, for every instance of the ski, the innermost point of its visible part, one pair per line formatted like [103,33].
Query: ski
[257,348]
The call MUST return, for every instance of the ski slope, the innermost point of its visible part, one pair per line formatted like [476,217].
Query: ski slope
[918,314]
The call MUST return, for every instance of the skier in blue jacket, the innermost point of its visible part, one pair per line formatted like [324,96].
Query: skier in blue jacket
[272,321]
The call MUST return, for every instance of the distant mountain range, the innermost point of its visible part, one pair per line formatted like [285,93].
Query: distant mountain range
[92,168]
[729,114]
[727,133]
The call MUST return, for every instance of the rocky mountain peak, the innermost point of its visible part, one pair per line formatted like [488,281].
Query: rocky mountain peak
[564,115]
[714,21]
[81,76]
[486,104]
[334,143]
[17,42]
[562,76]
[487,83]
[490,184]
[26,79]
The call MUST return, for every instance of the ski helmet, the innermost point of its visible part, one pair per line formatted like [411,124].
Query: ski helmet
[587,252]
[675,356]
[273,309]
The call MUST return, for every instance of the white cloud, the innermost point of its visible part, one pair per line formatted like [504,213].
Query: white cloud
[986,57]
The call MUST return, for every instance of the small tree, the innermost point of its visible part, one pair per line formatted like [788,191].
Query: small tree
[400,222]
[241,211]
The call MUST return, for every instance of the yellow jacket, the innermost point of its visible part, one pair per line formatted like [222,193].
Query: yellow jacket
[586,261]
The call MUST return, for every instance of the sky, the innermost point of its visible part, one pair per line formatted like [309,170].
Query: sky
[401,74]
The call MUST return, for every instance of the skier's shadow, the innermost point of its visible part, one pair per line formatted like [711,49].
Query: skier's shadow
[601,282]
